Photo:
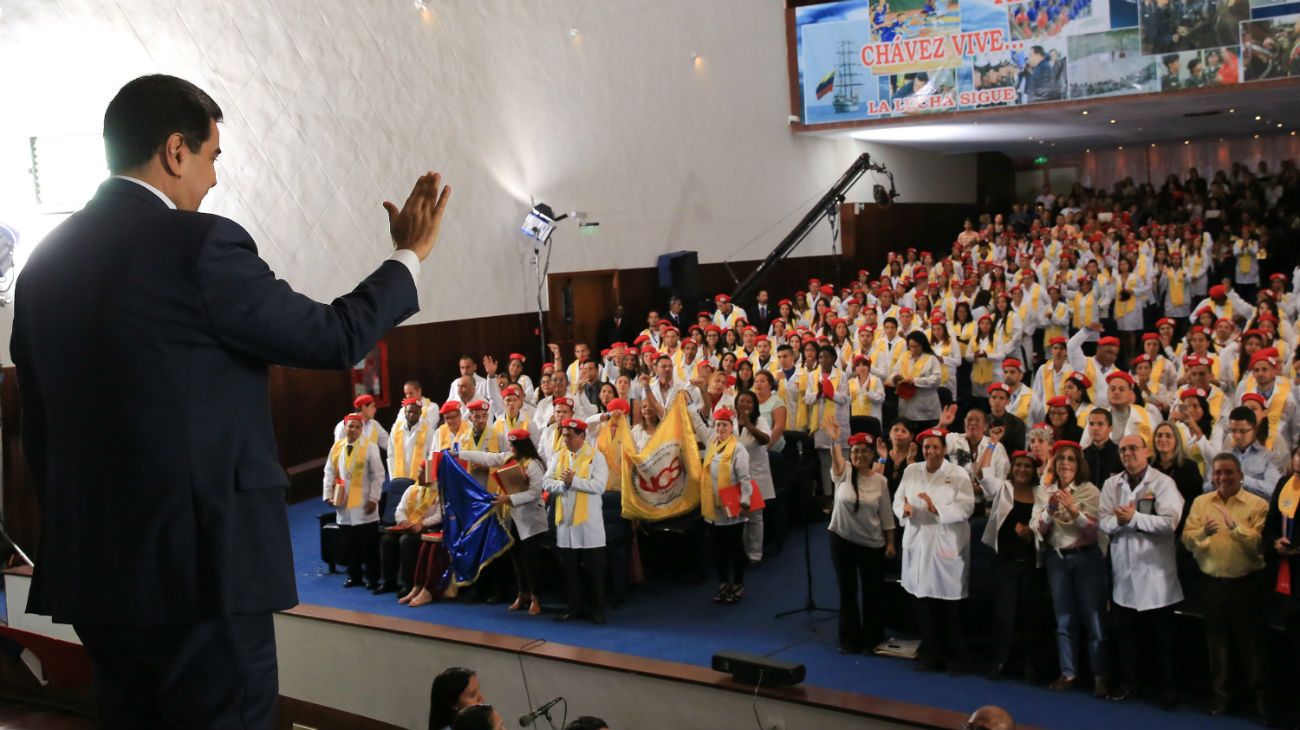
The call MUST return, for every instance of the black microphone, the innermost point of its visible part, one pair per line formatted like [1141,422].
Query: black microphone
[530,718]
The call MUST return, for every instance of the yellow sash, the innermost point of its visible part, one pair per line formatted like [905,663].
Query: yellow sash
[1050,374]
[1053,331]
[801,409]
[404,470]
[1144,424]
[943,351]
[581,470]
[708,489]
[1020,407]
[1157,370]
[823,406]
[418,501]
[355,468]
[1090,370]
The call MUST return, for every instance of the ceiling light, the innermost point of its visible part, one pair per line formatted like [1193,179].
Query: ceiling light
[1121,147]
[573,32]
[1257,136]
[1089,151]
[1031,139]
[1279,125]
[1232,111]
[1084,112]
[1258,117]
[1153,144]
[1112,121]
[1187,141]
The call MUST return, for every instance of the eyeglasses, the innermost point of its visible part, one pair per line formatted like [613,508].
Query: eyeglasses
[1130,447]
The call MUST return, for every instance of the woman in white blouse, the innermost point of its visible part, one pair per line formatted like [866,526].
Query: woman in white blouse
[755,433]
[726,467]
[527,514]
[862,536]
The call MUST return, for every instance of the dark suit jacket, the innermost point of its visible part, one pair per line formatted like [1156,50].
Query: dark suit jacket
[609,332]
[142,337]
[761,322]
[1103,461]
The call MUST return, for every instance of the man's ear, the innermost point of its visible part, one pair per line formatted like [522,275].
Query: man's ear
[172,150]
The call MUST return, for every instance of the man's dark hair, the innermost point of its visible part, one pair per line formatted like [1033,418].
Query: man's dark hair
[587,722]
[1105,413]
[1242,413]
[1170,59]
[827,350]
[1227,456]
[783,347]
[890,319]
[150,109]
[474,717]
[1039,50]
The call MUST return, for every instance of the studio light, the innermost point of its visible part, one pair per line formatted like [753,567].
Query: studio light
[540,222]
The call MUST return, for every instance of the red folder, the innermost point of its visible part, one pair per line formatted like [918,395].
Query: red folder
[431,468]
[730,498]
[756,501]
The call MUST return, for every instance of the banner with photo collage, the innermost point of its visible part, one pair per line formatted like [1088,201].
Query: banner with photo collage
[875,59]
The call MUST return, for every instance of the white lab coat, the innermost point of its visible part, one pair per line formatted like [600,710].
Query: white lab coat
[936,548]
[812,396]
[368,432]
[410,458]
[526,508]
[1142,552]
[480,389]
[760,469]
[591,533]
[739,475]
[374,484]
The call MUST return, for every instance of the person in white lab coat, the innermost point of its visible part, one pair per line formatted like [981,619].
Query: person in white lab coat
[354,476]
[576,477]
[371,432]
[1140,509]
[527,514]
[726,467]
[933,503]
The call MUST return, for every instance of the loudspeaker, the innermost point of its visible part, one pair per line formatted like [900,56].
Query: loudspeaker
[685,268]
[751,669]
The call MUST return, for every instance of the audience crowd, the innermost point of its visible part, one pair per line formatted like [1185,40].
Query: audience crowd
[1100,386]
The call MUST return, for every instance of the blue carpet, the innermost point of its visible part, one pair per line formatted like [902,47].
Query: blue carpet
[677,622]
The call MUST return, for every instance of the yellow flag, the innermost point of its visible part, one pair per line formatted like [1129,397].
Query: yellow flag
[662,480]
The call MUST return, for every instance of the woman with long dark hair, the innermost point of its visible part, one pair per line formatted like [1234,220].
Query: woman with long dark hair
[862,529]
[754,432]
[528,523]
[915,378]
[454,689]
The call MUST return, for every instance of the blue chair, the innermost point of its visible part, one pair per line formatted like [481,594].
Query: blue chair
[392,494]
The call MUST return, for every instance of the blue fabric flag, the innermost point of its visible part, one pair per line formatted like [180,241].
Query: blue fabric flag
[473,529]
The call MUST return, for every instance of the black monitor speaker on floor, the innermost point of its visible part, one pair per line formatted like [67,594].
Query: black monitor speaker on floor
[753,669]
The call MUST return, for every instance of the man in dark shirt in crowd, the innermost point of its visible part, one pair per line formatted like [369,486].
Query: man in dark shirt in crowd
[1102,454]
[1013,428]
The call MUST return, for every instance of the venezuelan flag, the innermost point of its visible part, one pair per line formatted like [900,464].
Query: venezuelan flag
[826,85]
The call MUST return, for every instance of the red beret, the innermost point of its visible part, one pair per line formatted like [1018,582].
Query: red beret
[1143,358]
[1058,341]
[938,433]
[410,402]
[1267,354]
[1002,387]
[1059,444]
[1080,379]
[477,404]
[1277,277]
[1147,336]
[449,407]
[517,356]
[1192,393]
[1218,291]
[353,417]
[519,434]
[721,298]
[1165,321]
[1121,375]
[363,400]
[1012,362]
[861,360]
[1108,341]
[1254,397]
[575,424]
[563,401]
[619,404]
[1059,401]
[1192,361]
[859,438]
[512,389]
[723,414]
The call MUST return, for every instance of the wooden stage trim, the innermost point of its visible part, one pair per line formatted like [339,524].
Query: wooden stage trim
[864,705]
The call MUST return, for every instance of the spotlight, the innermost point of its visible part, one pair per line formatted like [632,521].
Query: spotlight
[540,222]
[421,5]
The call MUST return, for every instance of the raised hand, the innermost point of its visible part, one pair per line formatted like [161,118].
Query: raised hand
[489,365]
[948,415]
[416,226]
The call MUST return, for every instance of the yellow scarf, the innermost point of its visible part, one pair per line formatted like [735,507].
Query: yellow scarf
[982,373]
[1177,297]
[1246,261]
[823,407]
[581,465]
[1289,499]
[404,470]
[1125,307]
[1050,376]
[1053,331]
[1276,404]
[1084,306]
[801,409]
[505,424]
[859,404]
[1154,382]
[355,468]
[611,447]
[445,438]
[1020,406]
[1090,370]
[943,351]
[418,502]
[708,487]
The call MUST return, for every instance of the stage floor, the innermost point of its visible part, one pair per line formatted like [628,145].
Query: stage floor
[678,622]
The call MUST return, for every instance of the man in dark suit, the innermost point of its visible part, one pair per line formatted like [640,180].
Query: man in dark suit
[761,314]
[614,329]
[164,539]
[675,317]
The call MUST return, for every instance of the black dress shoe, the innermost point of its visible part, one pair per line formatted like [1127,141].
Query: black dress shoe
[1219,706]
[383,588]
[352,583]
